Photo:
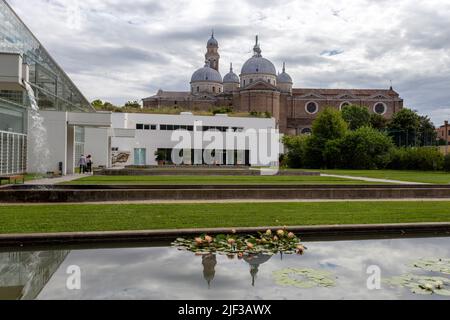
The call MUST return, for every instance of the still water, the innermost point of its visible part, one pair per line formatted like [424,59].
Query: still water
[166,273]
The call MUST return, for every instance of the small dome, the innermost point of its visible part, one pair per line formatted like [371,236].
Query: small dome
[231,77]
[257,64]
[284,77]
[206,74]
[213,42]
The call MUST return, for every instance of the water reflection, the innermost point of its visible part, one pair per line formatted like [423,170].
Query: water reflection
[166,273]
[23,275]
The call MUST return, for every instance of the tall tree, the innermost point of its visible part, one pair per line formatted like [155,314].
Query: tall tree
[427,132]
[356,117]
[404,128]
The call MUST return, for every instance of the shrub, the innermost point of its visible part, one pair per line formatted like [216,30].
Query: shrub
[295,153]
[447,163]
[422,158]
[365,148]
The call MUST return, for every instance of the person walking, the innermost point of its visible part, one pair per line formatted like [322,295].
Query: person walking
[89,163]
[82,164]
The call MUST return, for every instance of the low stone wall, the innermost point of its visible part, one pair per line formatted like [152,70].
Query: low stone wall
[185,171]
[74,194]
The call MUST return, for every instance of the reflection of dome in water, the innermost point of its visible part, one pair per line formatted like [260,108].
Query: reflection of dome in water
[209,264]
[255,261]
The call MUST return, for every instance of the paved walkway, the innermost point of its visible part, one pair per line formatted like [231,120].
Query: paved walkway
[370,179]
[52,181]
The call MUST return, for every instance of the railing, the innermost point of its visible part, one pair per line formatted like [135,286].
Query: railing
[13,153]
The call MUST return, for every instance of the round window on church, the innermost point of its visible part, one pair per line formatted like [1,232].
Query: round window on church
[312,107]
[380,108]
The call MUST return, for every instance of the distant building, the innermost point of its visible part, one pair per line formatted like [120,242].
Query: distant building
[443,132]
[259,88]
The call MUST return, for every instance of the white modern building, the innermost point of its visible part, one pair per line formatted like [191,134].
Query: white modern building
[148,140]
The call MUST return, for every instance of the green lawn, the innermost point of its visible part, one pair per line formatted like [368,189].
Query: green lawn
[67,218]
[200,180]
[412,176]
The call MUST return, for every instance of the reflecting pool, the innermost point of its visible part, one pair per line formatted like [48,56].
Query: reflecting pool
[162,272]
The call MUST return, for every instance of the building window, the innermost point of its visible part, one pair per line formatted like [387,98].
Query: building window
[306,131]
[163,127]
[344,104]
[251,80]
[146,127]
[153,127]
[269,81]
[139,126]
[176,102]
[244,82]
[312,107]
[198,89]
[380,108]
[214,89]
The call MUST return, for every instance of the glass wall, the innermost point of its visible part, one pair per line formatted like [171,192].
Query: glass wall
[53,88]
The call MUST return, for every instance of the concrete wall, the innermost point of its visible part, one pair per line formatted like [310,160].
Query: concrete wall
[152,140]
[97,145]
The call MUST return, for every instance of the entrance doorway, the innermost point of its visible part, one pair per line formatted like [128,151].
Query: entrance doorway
[140,157]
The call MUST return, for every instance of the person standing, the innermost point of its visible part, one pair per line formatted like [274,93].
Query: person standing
[89,163]
[82,164]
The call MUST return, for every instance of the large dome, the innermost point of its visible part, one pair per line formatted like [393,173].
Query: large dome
[257,64]
[206,74]
[231,77]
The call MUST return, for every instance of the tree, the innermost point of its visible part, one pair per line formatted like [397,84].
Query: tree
[427,132]
[97,104]
[404,128]
[329,125]
[378,122]
[133,104]
[356,117]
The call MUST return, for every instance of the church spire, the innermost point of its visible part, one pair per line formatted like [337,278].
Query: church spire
[257,48]
[231,66]
[284,67]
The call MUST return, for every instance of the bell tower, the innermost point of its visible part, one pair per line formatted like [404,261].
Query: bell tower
[212,54]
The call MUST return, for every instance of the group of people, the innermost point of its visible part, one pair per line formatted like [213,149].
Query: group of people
[85,164]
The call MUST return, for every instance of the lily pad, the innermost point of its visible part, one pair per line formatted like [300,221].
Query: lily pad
[304,278]
[424,285]
[433,265]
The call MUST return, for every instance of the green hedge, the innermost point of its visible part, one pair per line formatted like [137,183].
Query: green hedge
[421,158]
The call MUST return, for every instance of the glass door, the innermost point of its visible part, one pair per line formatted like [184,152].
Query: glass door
[140,158]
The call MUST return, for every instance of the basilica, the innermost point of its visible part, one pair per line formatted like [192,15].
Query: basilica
[260,89]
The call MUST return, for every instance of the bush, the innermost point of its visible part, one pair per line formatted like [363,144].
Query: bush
[447,163]
[295,153]
[329,125]
[364,148]
[422,158]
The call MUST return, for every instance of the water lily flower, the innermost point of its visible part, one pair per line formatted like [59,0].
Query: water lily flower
[198,241]
[231,241]
[250,245]
[429,287]
[291,235]
[280,233]
[233,231]
[208,239]
[269,232]
[275,238]
[439,284]
[240,255]
[300,249]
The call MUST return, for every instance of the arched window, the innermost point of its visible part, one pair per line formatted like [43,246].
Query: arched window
[312,107]
[306,131]
[198,89]
[269,81]
[344,104]
[214,89]
[380,108]
[251,80]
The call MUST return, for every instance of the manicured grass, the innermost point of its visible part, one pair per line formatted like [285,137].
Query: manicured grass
[68,218]
[200,180]
[411,176]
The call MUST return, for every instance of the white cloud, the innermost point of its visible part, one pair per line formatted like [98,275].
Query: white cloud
[119,50]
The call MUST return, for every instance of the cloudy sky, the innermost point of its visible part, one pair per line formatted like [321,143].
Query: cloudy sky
[119,50]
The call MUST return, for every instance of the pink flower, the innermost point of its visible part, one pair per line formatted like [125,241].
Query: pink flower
[291,235]
[250,245]
[275,238]
[198,241]
[231,241]
[280,233]
[208,239]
